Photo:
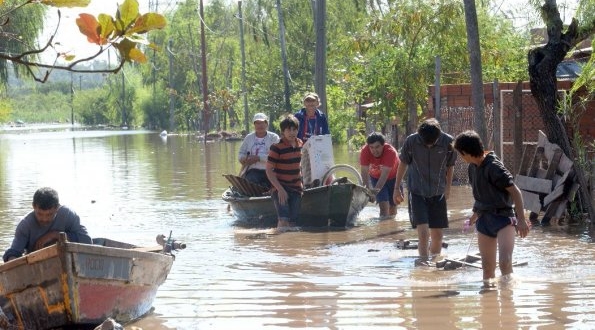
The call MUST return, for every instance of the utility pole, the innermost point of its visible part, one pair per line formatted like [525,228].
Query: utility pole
[171,85]
[205,89]
[284,57]
[320,66]
[243,52]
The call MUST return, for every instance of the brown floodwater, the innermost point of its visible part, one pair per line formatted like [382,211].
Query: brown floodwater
[134,185]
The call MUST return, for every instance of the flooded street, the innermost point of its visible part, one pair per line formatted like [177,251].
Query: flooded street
[133,186]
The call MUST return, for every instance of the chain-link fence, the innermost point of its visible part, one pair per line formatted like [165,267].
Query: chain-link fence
[455,120]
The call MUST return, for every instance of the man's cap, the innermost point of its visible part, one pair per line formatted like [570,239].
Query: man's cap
[311,96]
[260,117]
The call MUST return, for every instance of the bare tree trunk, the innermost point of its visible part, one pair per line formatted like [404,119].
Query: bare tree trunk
[412,114]
[286,91]
[243,52]
[479,121]
[543,62]
[320,68]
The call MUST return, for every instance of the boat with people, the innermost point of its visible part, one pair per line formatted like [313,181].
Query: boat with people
[335,204]
[71,284]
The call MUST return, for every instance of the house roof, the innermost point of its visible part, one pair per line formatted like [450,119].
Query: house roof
[568,70]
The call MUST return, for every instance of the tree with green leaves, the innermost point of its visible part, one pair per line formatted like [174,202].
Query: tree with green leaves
[123,32]
[393,56]
[19,35]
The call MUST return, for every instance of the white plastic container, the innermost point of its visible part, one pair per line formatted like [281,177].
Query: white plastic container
[317,153]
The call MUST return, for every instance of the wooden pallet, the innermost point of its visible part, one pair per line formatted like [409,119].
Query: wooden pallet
[546,179]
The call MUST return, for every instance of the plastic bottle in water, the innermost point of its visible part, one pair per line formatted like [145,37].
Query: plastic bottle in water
[466,225]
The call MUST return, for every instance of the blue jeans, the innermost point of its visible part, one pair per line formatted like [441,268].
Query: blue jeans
[290,211]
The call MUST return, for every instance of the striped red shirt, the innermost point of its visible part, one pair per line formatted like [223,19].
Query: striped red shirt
[286,164]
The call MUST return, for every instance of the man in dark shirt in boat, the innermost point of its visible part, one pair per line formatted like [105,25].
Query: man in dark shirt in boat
[283,170]
[42,226]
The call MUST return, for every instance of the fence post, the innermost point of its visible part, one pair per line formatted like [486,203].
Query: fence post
[517,133]
[497,120]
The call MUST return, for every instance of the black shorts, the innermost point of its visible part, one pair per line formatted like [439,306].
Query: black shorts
[428,210]
[490,224]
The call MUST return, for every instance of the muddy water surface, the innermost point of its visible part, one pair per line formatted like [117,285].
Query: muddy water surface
[135,185]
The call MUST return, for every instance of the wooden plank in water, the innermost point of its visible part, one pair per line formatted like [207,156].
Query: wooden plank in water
[558,191]
[531,201]
[533,184]
[477,265]
[528,155]
[463,263]
[553,164]
[536,163]
[541,139]
[554,210]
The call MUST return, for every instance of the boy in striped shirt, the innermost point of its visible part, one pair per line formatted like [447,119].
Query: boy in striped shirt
[284,172]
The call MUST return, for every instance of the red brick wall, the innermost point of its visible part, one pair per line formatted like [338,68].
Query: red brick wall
[460,96]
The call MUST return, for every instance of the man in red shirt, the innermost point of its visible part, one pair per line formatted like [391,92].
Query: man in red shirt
[379,162]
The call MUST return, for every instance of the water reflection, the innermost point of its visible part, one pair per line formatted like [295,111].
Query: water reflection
[135,185]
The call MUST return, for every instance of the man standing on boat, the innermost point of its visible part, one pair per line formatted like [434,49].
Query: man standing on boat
[42,226]
[379,162]
[431,158]
[312,120]
[255,150]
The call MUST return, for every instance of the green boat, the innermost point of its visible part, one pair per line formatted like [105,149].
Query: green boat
[334,205]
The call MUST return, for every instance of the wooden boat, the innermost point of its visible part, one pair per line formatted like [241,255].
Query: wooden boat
[334,205]
[69,284]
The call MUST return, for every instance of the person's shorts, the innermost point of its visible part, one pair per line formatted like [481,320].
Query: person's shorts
[290,211]
[428,210]
[386,193]
[490,224]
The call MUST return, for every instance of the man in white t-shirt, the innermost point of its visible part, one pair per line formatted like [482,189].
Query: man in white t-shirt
[255,150]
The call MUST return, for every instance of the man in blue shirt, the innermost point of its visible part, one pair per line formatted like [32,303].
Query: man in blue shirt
[312,120]
[42,226]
